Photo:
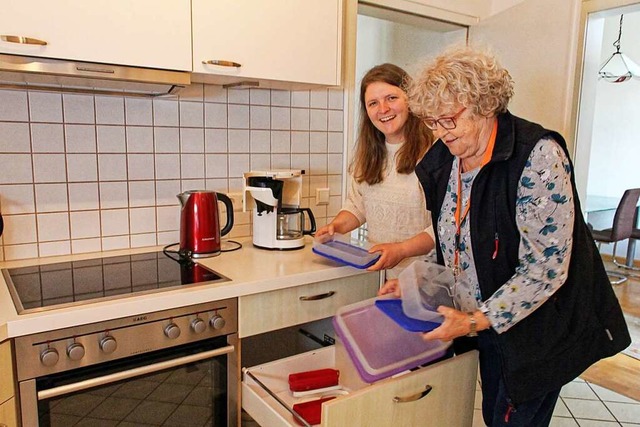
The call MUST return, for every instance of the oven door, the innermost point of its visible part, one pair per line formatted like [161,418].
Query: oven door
[190,385]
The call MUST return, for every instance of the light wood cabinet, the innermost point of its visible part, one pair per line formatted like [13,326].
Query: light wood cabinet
[273,310]
[395,401]
[145,33]
[8,413]
[295,41]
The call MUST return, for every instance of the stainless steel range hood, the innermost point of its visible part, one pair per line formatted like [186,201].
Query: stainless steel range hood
[33,73]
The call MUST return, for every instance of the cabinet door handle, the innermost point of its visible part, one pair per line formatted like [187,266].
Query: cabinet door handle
[413,397]
[319,296]
[222,63]
[22,40]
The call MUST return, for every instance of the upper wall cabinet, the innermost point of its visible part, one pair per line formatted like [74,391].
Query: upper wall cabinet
[145,33]
[294,41]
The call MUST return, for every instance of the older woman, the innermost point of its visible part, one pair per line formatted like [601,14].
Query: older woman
[502,195]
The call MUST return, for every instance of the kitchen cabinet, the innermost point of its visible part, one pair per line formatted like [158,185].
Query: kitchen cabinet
[396,401]
[293,41]
[268,311]
[8,415]
[145,33]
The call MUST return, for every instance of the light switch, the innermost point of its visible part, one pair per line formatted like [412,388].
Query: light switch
[322,196]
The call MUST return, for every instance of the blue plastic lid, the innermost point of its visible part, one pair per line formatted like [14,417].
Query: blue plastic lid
[393,309]
[346,253]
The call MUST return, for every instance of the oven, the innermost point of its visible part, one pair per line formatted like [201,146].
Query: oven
[175,367]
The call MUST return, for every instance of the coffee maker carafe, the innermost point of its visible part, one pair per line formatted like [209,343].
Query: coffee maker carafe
[278,219]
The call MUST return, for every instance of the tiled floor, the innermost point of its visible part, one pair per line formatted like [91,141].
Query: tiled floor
[582,404]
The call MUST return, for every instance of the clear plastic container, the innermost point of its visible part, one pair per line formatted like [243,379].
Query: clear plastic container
[343,249]
[424,287]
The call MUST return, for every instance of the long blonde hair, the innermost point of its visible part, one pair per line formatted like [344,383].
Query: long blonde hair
[371,154]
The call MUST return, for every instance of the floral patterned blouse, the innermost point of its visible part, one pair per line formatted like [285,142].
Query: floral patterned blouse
[545,213]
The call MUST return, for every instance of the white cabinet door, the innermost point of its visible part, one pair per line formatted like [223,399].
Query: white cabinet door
[145,33]
[282,40]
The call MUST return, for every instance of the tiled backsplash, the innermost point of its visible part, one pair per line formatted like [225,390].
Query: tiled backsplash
[83,173]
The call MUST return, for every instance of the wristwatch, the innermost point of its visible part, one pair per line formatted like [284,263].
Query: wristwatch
[473,331]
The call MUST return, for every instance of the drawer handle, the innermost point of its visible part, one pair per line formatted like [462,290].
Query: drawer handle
[222,63]
[22,40]
[317,297]
[413,397]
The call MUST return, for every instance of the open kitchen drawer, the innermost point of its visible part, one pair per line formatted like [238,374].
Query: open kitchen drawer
[397,401]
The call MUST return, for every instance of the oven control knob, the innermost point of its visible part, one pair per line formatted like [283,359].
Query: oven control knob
[108,344]
[198,325]
[49,357]
[217,322]
[172,331]
[75,351]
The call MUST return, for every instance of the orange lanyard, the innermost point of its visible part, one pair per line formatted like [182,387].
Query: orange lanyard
[460,217]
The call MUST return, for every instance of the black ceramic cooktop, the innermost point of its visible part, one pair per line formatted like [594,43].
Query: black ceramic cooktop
[72,283]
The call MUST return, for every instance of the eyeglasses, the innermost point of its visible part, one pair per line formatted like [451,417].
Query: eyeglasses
[447,123]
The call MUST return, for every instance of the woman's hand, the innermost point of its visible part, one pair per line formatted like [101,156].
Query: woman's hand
[390,255]
[456,324]
[391,286]
[325,232]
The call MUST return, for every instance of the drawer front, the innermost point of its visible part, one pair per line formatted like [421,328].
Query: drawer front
[8,415]
[6,368]
[269,311]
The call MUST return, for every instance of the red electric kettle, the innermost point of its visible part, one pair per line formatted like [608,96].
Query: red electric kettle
[200,223]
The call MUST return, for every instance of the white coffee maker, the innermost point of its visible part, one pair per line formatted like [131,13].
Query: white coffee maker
[278,219]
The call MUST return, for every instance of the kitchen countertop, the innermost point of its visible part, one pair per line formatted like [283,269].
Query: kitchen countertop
[250,269]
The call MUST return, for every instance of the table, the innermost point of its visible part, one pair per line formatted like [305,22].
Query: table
[595,203]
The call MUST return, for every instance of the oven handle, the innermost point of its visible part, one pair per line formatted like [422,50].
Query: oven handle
[131,373]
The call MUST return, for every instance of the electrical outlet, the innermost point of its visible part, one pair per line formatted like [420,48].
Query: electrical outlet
[236,199]
[322,196]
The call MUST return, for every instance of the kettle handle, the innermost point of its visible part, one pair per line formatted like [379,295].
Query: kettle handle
[227,203]
[312,219]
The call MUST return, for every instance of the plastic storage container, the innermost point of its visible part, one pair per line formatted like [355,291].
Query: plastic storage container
[378,346]
[424,287]
[343,249]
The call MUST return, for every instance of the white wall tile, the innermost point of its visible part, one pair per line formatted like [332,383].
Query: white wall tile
[167,166]
[334,164]
[19,229]
[259,96]
[215,93]
[20,252]
[336,99]
[82,246]
[216,165]
[220,184]
[49,168]
[238,141]
[300,161]
[112,167]
[113,195]
[139,111]
[215,140]
[192,166]
[260,117]
[191,114]
[165,112]
[114,222]
[238,116]
[280,141]
[13,106]
[317,164]
[260,161]
[300,98]
[143,220]
[167,237]
[16,168]
[111,139]
[318,120]
[334,206]
[78,108]
[166,192]
[215,115]
[116,242]
[300,119]
[318,98]
[83,196]
[109,110]
[192,140]
[53,226]
[140,167]
[85,224]
[281,161]
[336,121]
[142,193]
[80,138]
[300,142]
[281,98]
[168,218]
[167,140]
[192,184]
[335,142]
[280,118]
[318,142]
[54,248]
[238,164]
[82,167]
[17,199]
[51,197]
[139,139]
[238,96]
[260,141]
[143,240]
[47,138]
[45,107]
[14,137]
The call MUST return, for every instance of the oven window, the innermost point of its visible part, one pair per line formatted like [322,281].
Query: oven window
[193,394]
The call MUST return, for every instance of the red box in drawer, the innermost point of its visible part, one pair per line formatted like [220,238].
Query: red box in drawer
[311,380]
[311,411]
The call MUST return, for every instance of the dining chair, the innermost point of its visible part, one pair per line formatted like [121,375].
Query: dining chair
[622,228]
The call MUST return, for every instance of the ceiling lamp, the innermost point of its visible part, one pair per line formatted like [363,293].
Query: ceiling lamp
[619,68]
